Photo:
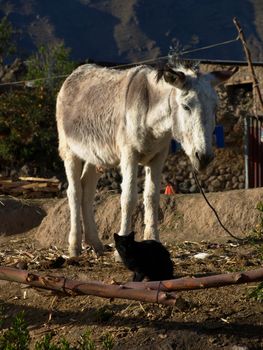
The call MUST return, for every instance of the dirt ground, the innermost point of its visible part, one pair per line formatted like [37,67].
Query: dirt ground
[34,233]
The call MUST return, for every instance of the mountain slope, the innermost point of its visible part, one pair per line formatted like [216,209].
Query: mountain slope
[131,30]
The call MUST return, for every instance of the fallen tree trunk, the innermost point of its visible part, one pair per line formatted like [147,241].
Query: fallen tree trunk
[75,287]
[161,292]
[190,283]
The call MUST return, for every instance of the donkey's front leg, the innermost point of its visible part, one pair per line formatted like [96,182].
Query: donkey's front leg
[129,170]
[151,195]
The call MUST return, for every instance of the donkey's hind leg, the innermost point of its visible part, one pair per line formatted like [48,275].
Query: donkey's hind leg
[73,166]
[89,182]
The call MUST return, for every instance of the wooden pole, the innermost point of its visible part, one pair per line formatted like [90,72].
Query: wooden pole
[256,88]
[75,287]
[161,292]
[191,283]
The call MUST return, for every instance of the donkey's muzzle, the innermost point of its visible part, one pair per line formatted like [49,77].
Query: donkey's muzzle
[203,159]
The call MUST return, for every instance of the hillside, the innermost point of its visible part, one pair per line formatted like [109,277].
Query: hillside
[118,31]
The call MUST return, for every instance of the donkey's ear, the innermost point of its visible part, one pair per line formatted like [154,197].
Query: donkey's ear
[219,77]
[175,78]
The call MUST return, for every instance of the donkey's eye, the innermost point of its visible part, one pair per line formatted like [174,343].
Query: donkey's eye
[186,108]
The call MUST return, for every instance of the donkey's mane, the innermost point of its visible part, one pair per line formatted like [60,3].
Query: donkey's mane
[176,64]
[175,61]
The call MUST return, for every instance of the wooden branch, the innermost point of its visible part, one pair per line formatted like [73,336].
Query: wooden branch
[161,292]
[29,185]
[250,65]
[190,283]
[74,287]
[38,179]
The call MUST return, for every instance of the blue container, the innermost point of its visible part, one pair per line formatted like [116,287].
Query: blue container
[219,133]
[174,146]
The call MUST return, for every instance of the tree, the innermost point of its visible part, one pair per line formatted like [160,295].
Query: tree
[49,66]
[7,44]
[27,114]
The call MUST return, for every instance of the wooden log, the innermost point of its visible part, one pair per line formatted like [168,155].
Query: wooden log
[190,283]
[21,187]
[39,179]
[10,184]
[74,287]
[154,292]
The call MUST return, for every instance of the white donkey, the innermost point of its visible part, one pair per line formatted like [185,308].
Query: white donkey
[107,117]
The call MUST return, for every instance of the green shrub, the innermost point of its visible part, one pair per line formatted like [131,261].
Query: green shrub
[257,293]
[27,115]
[17,336]
[49,66]
[107,341]
[7,42]
[46,344]
[28,118]
[87,343]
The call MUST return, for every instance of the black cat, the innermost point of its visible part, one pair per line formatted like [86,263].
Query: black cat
[147,258]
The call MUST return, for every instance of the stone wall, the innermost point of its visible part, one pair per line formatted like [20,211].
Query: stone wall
[225,173]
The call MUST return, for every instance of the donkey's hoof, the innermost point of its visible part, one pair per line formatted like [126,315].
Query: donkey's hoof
[99,251]
[73,252]
[97,247]
[117,257]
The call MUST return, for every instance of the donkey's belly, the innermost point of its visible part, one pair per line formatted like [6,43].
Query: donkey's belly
[100,155]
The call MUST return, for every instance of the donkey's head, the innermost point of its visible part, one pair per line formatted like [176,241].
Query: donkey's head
[193,104]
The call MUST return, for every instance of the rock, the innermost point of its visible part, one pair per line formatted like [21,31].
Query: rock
[209,171]
[221,178]
[114,185]
[24,171]
[193,189]
[241,178]
[228,177]
[14,174]
[183,187]
[216,183]
[192,181]
[182,163]
[234,180]
[228,185]
[210,188]
[203,177]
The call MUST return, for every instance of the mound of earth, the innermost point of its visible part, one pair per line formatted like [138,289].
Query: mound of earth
[18,216]
[181,217]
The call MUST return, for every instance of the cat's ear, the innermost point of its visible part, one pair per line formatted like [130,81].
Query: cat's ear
[132,235]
